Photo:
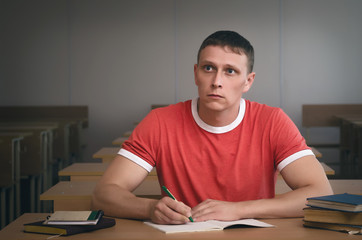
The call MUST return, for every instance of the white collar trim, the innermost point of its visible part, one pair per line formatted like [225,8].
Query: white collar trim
[213,129]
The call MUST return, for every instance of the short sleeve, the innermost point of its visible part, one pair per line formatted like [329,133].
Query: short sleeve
[288,144]
[142,146]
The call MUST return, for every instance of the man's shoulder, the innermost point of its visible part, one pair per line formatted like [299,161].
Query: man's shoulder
[260,108]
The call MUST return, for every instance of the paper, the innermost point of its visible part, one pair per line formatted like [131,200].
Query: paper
[211,225]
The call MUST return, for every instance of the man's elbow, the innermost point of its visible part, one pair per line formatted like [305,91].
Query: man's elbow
[96,199]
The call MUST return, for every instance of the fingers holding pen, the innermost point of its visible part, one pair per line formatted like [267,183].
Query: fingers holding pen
[169,211]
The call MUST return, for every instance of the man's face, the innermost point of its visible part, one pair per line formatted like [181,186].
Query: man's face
[221,77]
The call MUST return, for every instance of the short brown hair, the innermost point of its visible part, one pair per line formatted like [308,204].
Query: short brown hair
[237,43]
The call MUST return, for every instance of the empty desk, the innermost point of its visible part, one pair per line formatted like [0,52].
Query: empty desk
[107,154]
[76,195]
[119,141]
[90,171]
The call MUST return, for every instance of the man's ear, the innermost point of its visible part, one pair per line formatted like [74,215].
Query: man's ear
[249,81]
[195,74]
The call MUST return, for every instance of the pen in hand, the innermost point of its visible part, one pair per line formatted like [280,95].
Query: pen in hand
[171,196]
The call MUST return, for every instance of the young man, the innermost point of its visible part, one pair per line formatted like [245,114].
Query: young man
[218,154]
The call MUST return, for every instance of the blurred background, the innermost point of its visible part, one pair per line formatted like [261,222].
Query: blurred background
[118,57]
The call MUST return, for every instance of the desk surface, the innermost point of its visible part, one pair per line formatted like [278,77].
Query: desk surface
[70,190]
[290,229]
[119,141]
[106,152]
[84,169]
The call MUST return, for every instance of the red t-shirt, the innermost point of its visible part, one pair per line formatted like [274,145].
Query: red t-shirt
[196,161]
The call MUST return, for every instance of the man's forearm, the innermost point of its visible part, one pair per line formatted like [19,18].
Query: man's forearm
[117,202]
[289,204]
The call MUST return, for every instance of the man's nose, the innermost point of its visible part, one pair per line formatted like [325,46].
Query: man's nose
[217,81]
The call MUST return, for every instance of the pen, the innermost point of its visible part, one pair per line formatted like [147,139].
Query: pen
[171,196]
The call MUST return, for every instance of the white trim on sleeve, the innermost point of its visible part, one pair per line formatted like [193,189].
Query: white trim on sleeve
[294,157]
[136,159]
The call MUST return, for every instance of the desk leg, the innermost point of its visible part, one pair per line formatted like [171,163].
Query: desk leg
[38,192]
[44,156]
[3,207]
[11,203]
[16,156]
[32,193]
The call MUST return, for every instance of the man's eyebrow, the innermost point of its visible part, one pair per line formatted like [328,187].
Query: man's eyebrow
[207,62]
[233,67]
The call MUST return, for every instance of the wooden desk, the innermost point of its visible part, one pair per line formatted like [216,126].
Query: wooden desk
[286,229]
[128,133]
[107,154]
[10,173]
[119,141]
[327,169]
[316,152]
[350,145]
[39,148]
[71,118]
[90,171]
[76,195]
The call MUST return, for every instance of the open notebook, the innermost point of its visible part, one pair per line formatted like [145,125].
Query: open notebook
[211,225]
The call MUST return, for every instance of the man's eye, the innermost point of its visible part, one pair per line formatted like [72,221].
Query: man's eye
[208,68]
[230,71]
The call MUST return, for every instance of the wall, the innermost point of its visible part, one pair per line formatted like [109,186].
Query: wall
[119,57]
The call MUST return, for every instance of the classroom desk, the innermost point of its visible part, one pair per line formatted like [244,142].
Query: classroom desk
[90,171]
[106,154]
[317,153]
[39,150]
[287,228]
[76,195]
[10,166]
[350,145]
[119,141]
[128,133]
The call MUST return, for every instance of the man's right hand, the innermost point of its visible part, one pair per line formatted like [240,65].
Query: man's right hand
[169,211]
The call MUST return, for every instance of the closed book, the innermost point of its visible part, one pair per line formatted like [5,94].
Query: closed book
[351,229]
[74,217]
[332,216]
[343,202]
[40,227]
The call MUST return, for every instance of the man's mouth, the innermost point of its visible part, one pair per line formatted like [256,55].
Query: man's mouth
[215,96]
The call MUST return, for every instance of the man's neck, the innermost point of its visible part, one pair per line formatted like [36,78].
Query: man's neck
[217,118]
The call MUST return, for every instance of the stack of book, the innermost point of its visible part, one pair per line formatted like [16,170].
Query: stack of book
[339,212]
[70,222]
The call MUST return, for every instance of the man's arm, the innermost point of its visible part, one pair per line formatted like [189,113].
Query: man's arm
[113,194]
[304,176]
